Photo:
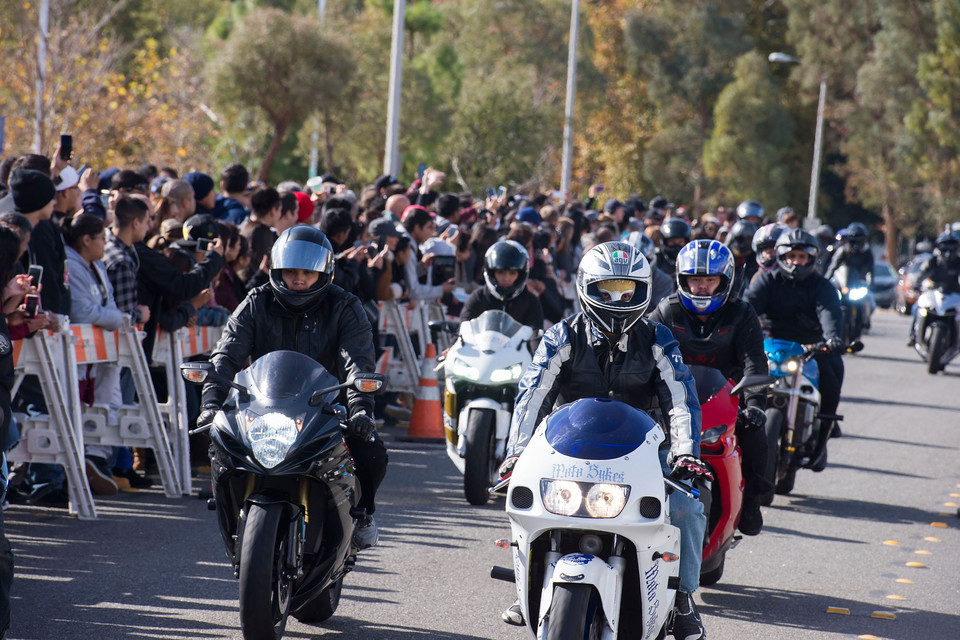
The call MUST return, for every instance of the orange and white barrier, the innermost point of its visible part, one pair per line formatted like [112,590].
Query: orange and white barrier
[52,438]
[169,352]
[400,363]
[138,425]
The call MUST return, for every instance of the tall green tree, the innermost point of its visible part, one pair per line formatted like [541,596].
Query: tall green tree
[258,70]
[684,52]
[744,155]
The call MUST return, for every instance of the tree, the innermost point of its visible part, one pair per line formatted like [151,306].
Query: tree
[257,69]
[744,156]
[683,51]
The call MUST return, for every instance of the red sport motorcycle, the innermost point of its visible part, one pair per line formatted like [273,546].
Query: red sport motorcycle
[723,496]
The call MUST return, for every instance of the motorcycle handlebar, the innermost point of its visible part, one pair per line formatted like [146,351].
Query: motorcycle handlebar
[687,490]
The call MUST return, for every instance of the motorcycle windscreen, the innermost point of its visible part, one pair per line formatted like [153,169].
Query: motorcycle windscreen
[709,381]
[597,429]
[288,374]
[493,320]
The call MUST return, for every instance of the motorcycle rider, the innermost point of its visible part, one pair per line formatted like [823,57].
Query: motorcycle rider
[764,245]
[674,234]
[740,243]
[751,211]
[943,268]
[506,266]
[717,330]
[855,253]
[797,303]
[609,350]
[302,310]
[661,284]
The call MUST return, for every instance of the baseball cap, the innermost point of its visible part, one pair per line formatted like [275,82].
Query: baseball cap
[385,181]
[385,227]
[68,178]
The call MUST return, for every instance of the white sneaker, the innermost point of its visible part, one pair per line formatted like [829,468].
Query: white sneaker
[365,534]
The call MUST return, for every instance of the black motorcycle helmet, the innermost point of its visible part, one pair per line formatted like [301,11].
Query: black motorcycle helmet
[750,209]
[740,238]
[796,239]
[947,246]
[506,255]
[673,228]
[301,247]
[857,236]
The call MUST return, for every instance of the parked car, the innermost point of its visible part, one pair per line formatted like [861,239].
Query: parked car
[908,289]
[883,284]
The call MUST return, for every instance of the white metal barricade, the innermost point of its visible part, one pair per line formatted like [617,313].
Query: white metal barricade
[169,352]
[52,438]
[399,364]
[139,425]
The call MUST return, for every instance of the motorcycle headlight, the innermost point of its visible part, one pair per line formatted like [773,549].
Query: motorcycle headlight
[606,500]
[584,499]
[463,370]
[712,435]
[790,366]
[858,293]
[507,374]
[270,437]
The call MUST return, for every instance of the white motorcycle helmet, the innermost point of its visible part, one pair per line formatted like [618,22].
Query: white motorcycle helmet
[613,285]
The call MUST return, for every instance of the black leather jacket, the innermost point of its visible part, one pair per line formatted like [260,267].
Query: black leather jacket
[525,308]
[730,340]
[945,274]
[859,265]
[805,311]
[335,332]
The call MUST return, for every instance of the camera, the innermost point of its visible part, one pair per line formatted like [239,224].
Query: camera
[203,244]
[35,272]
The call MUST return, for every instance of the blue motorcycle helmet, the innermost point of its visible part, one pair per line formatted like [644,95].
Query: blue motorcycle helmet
[705,258]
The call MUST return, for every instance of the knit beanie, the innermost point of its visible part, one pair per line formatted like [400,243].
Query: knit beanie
[32,190]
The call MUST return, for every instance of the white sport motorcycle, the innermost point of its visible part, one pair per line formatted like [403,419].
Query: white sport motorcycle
[482,371]
[937,327]
[594,554]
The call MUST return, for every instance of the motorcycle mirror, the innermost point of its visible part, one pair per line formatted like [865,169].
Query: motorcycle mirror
[196,372]
[754,382]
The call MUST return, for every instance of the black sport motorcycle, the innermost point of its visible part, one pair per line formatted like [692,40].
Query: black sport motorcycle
[284,487]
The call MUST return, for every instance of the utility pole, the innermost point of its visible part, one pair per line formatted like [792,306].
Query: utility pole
[315,136]
[567,154]
[41,75]
[391,156]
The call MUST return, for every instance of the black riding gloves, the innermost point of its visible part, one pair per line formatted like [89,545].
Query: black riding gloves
[752,418]
[361,426]
[688,467]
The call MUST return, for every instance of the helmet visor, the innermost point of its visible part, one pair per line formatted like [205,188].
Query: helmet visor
[299,254]
[617,293]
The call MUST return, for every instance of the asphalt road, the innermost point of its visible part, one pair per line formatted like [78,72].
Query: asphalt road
[151,567]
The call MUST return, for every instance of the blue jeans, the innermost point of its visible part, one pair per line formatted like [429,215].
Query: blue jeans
[687,515]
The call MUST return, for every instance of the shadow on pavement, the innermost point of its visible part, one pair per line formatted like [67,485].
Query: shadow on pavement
[909,443]
[898,403]
[808,611]
[806,535]
[859,510]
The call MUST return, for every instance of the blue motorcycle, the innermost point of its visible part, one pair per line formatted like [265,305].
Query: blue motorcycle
[793,412]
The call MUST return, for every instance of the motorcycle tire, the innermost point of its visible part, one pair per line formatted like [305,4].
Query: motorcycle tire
[575,612]
[785,485]
[264,591]
[711,578]
[937,347]
[774,430]
[480,463]
[322,607]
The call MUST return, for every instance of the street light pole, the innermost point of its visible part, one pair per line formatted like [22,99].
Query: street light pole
[811,221]
[315,136]
[391,157]
[567,155]
[41,75]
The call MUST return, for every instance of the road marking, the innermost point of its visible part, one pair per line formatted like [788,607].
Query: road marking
[891,543]
[955,495]
[839,610]
[904,580]
[894,597]
[917,565]
[932,539]
[867,636]
[883,615]
[951,504]
[939,524]
[922,552]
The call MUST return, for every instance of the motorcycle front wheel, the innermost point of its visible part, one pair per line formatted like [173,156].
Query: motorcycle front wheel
[264,590]
[773,429]
[938,344]
[480,462]
[575,612]
[322,607]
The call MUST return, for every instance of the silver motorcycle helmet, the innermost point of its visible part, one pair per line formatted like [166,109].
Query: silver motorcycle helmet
[613,285]
[307,248]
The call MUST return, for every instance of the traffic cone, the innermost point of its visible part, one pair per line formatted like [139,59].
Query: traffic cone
[426,421]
